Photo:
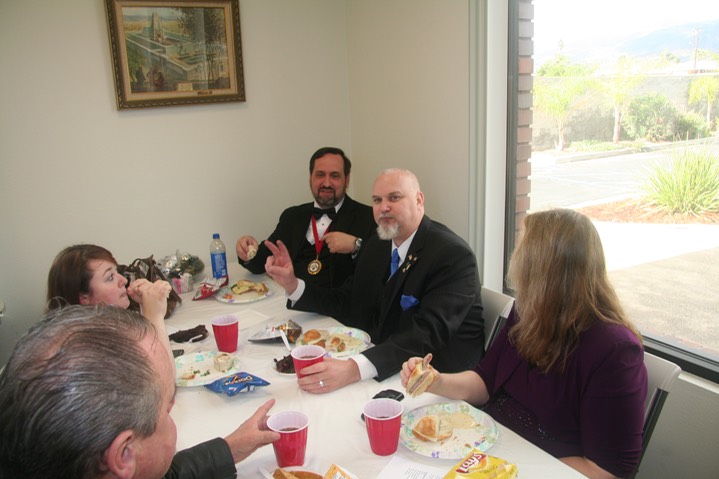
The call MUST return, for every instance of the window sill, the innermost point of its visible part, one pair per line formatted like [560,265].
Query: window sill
[702,366]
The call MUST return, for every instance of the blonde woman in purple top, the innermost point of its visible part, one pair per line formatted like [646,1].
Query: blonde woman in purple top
[567,370]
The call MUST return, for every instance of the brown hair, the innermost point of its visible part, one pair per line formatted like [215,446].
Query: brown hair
[69,276]
[330,150]
[559,276]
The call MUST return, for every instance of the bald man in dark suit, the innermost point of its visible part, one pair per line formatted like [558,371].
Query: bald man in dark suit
[428,302]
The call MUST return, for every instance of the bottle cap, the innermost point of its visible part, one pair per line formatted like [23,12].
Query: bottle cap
[215,235]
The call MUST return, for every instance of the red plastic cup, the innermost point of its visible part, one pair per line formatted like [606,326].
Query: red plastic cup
[225,329]
[291,446]
[383,419]
[303,356]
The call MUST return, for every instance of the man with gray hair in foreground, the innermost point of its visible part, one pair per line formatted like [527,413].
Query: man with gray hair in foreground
[87,393]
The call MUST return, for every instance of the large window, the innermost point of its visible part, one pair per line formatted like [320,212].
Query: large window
[624,97]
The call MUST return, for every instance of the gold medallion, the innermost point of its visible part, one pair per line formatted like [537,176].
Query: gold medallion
[314,267]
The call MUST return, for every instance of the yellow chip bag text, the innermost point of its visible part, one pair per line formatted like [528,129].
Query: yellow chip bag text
[478,465]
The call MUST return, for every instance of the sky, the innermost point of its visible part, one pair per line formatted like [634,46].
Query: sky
[602,22]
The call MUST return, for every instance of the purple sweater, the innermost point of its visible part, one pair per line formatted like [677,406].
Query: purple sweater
[594,409]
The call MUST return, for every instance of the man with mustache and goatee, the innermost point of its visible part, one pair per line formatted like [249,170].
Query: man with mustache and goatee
[415,290]
[322,238]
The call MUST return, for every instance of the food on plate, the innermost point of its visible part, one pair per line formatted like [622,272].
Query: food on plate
[223,362]
[432,427]
[236,383]
[336,472]
[313,335]
[285,365]
[251,252]
[477,465]
[283,474]
[460,420]
[292,330]
[198,333]
[341,342]
[438,427]
[422,376]
[333,343]
[193,373]
[336,344]
[245,286]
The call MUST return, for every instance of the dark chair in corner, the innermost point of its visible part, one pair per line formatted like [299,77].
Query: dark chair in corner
[661,374]
[495,311]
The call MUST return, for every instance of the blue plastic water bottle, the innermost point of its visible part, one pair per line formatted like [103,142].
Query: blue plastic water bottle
[218,258]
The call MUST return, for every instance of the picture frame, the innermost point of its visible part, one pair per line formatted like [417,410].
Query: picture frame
[170,52]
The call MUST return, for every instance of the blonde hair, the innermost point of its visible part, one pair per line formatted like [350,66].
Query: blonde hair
[559,276]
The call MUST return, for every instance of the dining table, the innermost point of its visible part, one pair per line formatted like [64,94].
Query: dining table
[336,432]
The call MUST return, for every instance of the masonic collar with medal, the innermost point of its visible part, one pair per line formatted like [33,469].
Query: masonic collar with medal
[315,265]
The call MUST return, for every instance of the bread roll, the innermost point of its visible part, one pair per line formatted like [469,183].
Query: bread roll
[432,427]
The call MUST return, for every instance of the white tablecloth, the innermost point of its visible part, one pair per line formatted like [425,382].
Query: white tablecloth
[336,432]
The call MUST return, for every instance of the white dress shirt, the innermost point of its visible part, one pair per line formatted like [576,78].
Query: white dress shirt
[322,224]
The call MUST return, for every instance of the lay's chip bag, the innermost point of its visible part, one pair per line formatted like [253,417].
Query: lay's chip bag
[478,465]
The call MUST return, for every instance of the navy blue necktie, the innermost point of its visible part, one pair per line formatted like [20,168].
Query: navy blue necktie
[394,264]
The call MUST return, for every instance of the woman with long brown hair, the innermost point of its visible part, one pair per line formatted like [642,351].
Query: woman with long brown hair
[567,370]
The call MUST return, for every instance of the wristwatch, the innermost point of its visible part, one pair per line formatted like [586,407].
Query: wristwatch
[358,245]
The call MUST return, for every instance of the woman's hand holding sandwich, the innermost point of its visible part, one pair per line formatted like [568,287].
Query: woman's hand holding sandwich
[418,376]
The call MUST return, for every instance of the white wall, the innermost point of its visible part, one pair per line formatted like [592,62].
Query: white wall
[74,169]
[409,97]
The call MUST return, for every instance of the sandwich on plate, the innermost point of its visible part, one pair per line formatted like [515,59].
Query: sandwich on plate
[433,427]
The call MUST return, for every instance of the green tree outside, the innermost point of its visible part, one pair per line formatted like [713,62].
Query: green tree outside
[557,87]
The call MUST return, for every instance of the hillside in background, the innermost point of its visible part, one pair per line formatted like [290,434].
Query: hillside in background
[679,40]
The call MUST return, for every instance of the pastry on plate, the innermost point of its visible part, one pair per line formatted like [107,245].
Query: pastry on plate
[245,286]
[223,362]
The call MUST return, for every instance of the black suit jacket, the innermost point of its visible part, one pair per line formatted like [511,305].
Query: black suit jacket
[445,317]
[353,218]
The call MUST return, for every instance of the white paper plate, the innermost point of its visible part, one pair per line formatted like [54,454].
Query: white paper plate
[482,436]
[225,295]
[204,363]
[364,341]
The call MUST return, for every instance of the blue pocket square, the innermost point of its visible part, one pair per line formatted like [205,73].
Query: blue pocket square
[408,302]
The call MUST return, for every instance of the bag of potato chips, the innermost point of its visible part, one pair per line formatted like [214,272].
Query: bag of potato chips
[478,465]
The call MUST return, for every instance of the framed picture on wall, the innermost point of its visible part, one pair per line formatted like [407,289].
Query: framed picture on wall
[169,52]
